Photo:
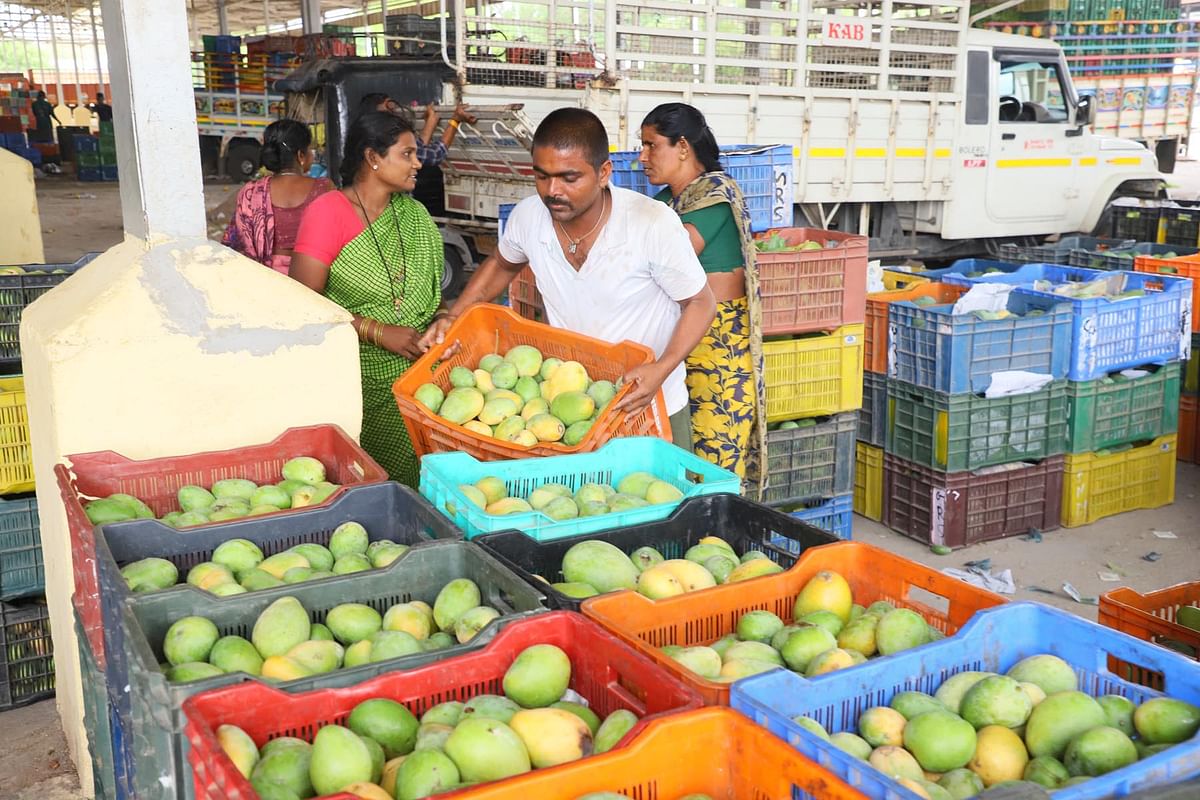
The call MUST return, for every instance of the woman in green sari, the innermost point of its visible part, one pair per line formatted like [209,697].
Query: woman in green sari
[376,252]
[725,371]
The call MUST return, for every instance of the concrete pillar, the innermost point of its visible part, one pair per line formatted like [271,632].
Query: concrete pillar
[166,344]
[222,18]
[310,13]
[74,53]
[96,46]
[59,100]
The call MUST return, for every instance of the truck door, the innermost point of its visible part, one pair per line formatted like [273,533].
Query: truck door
[1034,153]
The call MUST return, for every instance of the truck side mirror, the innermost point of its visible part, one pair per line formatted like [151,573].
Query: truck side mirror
[1085,111]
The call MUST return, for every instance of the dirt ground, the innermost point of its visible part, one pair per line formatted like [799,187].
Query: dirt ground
[82,217]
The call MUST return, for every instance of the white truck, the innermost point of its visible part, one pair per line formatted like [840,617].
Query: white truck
[906,124]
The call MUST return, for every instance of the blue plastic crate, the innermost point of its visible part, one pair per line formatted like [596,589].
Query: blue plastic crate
[993,641]
[86,143]
[929,346]
[120,713]
[506,210]
[442,473]
[764,174]
[108,172]
[834,515]
[1110,335]
[967,265]
[13,141]
[21,570]
[89,174]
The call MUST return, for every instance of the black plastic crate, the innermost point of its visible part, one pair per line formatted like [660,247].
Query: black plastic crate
[872,417]
[815,461]
[21,571]
[1123,258]
[18,291]
[26,654]
[422,38]
[1059,252]
[744,524]
[1136,222]
[1181,224]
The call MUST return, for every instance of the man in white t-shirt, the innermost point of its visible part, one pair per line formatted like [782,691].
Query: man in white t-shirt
[609,263]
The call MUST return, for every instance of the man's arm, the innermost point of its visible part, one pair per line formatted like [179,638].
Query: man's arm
[698,312]
[492,278]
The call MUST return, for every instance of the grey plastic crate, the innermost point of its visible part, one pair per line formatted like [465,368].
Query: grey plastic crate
[159,744]
[872,417]
[816,461]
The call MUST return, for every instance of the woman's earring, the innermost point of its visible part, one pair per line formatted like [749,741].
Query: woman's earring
[375,166]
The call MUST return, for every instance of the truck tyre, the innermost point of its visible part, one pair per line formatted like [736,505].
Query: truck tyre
[454,274]
[1166,150]
[241,161]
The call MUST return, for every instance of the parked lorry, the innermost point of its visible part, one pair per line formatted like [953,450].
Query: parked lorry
[907,125]
[235,102]
[1142,74]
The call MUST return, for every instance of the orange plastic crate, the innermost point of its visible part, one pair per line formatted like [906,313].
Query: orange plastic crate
[703,617]
[1151,618]
[1183,267]
[875,337]
[1188,444]
[713,751]
[525,298]
[487,328]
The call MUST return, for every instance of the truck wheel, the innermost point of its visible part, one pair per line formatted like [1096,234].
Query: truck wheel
[454,273]
[1166,150]
[241,161]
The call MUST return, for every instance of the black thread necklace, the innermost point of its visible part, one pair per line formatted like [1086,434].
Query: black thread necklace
[398,275]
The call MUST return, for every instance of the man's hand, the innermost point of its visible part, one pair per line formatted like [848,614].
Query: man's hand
[435,334]
[462,113]
[431,114]
[646,380]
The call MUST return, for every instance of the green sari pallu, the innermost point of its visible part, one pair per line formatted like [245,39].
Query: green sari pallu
[725,371]
[405,291]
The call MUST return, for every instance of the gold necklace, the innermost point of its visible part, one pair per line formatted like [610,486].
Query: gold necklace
[573,244]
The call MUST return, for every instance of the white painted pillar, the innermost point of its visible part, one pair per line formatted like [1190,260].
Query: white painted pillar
[59,99]
[168,343]
[96,46]
[310,12]
[222,18]
[74,52]
[158,152]
[267,17]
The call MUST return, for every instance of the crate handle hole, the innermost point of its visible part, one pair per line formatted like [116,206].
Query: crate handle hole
[924,597]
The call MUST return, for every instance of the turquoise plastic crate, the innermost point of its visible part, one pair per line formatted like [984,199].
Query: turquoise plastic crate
[992,641]
[442,473]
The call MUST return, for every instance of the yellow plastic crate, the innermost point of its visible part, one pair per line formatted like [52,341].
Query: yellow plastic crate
[16,456]
[898,282]
[814,375]
[868,481]
[1097,485]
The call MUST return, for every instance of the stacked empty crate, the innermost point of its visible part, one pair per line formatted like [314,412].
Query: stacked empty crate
[959,466]
[1128,331]
[1184,266]
[96,156]
[813,286]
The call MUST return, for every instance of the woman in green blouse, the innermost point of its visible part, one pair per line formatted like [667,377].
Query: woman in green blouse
[724,373]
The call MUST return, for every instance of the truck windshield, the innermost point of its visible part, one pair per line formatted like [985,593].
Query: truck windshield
[1031,91]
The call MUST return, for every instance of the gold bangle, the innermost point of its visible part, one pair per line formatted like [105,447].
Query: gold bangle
[452,124]
[364,329]
[378,332]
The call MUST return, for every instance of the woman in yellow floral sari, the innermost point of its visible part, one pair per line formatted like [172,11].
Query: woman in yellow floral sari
[724,373]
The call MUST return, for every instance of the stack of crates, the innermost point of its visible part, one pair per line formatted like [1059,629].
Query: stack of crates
[1115,415]
[1188,443]
[959,466]
[108,152]
[87,158]
[813,286]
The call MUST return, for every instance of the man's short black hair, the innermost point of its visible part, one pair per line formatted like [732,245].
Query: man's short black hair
[574,129]
[100,96]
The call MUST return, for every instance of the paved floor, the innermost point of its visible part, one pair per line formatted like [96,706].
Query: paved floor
[76,218]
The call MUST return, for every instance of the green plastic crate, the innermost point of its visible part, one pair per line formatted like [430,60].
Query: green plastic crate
[956,432]
[83,159]
[95,717]
[1103,413]
[1191,373]
[160,746]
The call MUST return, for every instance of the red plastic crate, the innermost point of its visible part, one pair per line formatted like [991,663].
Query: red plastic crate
[609,673]
[1182,267]
[155,481]
[525,298]
[1189,431]
[957,509]
[813,290]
